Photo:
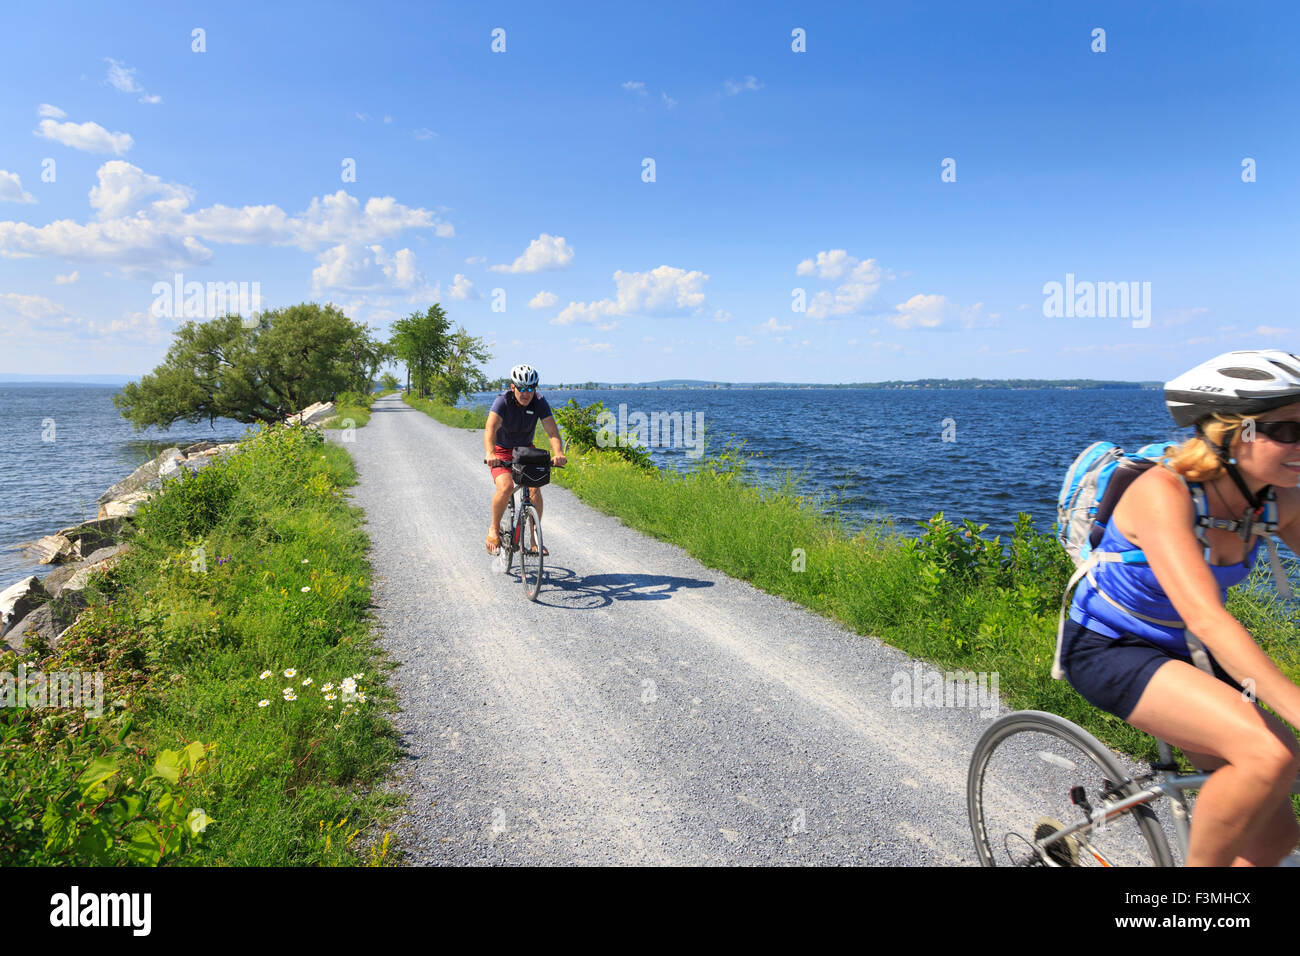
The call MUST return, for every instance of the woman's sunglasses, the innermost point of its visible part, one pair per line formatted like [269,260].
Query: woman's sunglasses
[1284,433]
[530,388]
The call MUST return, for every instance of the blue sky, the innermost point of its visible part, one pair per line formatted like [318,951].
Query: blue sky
[774,170]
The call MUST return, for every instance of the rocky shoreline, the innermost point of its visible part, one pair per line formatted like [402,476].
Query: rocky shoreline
[46,608]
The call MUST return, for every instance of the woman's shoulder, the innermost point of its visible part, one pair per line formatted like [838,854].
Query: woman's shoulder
[1162,482]
[1158,489]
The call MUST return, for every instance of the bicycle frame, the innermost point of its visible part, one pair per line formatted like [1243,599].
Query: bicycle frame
[1160,782]
[525,500]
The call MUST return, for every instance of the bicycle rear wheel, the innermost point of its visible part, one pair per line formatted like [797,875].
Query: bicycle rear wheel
[530,561]
[1021,790]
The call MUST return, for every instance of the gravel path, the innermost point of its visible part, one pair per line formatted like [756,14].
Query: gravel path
[647,709]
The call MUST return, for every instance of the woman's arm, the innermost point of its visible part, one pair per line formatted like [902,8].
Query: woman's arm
[1161,516]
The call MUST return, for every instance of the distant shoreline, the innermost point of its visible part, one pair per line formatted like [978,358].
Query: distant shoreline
[920,384]
[1013,384]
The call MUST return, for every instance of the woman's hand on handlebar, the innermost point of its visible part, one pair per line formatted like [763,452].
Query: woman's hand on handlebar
[559,461]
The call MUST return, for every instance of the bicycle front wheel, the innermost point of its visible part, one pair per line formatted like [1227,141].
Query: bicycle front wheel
[530,560]
[506,532]
[1035,774]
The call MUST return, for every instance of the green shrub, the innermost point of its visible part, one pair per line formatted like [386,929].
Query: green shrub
[581,426]
[193,504]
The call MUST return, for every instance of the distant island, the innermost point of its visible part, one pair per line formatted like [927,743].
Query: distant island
[928,383]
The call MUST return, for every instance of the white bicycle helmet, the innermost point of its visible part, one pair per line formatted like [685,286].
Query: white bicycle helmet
[522,375]
[1236,383]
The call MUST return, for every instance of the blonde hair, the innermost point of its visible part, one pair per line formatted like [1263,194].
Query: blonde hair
[1195,459]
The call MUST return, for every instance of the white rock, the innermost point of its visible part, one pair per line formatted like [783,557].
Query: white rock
[170,465]
[127,505]
[22,598]
[52,549]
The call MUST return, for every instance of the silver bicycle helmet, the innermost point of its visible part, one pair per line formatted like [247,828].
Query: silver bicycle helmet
[1236,383]
[522,375]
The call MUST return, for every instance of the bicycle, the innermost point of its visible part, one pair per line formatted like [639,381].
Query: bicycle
[1074,768]
[517,526]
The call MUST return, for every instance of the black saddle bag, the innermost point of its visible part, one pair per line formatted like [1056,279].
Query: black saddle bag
[531,466]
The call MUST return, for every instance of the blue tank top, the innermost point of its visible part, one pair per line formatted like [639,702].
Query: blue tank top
[1136,587]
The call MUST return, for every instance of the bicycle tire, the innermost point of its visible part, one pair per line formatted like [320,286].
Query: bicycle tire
[506,532]
[530,562]
[1007,820]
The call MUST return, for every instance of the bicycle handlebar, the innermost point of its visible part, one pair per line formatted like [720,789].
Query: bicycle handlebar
[498,463]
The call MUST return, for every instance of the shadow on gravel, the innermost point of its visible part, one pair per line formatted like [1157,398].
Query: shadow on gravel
[562,589]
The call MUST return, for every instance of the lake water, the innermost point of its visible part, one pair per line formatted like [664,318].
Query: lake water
[882,451]
[61,447]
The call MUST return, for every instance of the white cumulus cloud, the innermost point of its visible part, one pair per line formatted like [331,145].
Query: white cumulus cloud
[123,189]
[544,252]
[663,291]
[11,189]
[88,137]
[52,112]
[859,280]
[356,267]
[543,300]
[926,311]
[145,223]
[461,288]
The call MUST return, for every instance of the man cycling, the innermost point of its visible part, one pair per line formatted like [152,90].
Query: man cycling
[511,422]
[1125,647]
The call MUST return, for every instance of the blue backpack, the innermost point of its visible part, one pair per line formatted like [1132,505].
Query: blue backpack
[1091,490]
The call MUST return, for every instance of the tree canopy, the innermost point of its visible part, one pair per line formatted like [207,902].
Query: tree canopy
[438,361]
[291,358]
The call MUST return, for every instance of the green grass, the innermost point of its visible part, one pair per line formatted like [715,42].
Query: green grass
[254,564]
[351,406]
[448,415]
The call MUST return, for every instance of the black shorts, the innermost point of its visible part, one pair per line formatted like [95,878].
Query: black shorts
[1112,672]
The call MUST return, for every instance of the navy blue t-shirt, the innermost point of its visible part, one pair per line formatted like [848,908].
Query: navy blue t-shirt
[517,421]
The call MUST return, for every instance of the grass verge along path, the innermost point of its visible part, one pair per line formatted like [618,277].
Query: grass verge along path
[243,718]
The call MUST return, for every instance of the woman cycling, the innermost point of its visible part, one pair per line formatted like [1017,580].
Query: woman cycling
[1246,410]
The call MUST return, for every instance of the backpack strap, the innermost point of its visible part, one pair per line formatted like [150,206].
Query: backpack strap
[1085,570]
[1266,523]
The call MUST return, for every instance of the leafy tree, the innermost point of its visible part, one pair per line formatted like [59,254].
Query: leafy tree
[422,342]
[292,358]
[460,372]
[389,380]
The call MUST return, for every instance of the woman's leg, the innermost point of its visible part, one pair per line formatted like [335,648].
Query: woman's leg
[1238,817]
[1277,832]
